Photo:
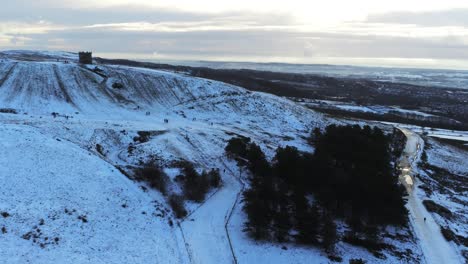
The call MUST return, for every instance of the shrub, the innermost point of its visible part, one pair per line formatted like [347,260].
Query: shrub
[8,111]
[424,156]
[365,243]
[214,178]
[448,234]
[5,214]
[83,218]
[100,149]
[154,176]
[143,136]
[431,206]
[335,258]
[177,204]
[130,149]
[117,85]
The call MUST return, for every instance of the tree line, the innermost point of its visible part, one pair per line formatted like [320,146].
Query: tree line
[300,197]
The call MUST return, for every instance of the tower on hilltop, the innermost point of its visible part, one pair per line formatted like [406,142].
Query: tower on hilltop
[85,57]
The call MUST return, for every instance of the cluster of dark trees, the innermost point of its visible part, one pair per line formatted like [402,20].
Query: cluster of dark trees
[153,175]
[194,185]
[299,196]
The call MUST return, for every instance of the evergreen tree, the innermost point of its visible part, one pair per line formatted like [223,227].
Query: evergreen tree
[349,176]
[258,199]
[195,185]
[237,147]
[288,166]
[315,136]
[329,234]
[281,211]
[258,215]
[307,225]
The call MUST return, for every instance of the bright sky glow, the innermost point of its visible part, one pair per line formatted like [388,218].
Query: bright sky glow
[423,33]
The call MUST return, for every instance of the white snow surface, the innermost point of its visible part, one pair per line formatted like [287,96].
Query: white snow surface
[448,157]
[51,170]
[457,135]
[434,246]
[450,191]
[42,178]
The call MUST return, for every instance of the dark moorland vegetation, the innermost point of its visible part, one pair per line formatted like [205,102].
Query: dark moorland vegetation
[194,185]
[445,102]
[299,196]
[441,122]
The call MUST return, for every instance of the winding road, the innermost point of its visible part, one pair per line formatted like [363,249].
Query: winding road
[434,247]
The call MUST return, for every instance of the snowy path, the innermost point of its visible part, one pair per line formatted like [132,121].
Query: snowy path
[206,235]
[435,248]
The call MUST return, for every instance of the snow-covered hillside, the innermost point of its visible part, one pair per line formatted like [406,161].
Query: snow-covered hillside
[43,87]
[442,187]
[67,135]
[63,204]
[53,176]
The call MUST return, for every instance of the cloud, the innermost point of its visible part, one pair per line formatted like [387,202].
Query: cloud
[439,18]
[154,32]
[215,25]
[62,14]
[258,43]
[40,27]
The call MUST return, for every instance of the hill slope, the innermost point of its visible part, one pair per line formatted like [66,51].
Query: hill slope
[65,206]
[69,133]
[52,168]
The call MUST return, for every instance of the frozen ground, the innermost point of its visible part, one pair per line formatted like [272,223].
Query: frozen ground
[435,132]
[443,179]
[49,164]
[434,246]
[52,170]
[49,186]
[373,109]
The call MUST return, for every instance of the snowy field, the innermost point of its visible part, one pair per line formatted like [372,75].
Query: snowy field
[435,132]
[373,109]
[58,185]
[66,205]
[54,177]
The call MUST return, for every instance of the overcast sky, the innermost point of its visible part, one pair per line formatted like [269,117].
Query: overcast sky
[414,33]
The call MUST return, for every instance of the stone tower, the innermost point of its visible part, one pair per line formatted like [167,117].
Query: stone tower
[85,57]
